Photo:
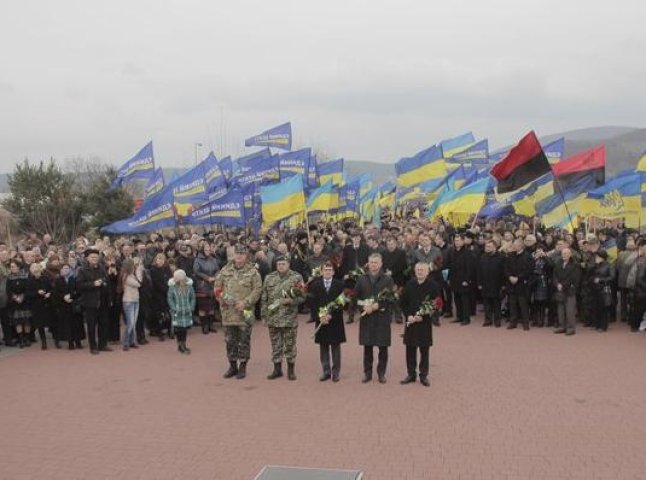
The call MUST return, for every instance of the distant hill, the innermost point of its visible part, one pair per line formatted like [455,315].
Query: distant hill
[624,145]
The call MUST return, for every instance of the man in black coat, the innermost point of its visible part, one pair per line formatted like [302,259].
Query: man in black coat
[519,266]
[395,264]
[566,280]
[419,328]
[374,324]
[491,281]
[92,284]
[355,255]
[324,290]
[462,279]
[447,293]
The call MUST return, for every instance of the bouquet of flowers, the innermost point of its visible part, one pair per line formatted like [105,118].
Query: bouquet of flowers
[297,291]
[228,300]
[386,296]
[316,272]
[337,304]
[356,273]
[428,307]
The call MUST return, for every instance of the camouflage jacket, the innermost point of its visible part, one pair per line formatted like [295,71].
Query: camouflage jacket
[239,284]
[272,293]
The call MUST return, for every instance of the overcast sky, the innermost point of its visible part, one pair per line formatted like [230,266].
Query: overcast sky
[367,80]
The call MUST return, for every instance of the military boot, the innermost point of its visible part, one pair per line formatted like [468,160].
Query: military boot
[242,371]
[278,371]
[233,370]
[291,374]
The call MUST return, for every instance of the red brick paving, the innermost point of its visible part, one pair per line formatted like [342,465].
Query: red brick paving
[502,405]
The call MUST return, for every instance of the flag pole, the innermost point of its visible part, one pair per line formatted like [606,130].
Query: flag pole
[567,209]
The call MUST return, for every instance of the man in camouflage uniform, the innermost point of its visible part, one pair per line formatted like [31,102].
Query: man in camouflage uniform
[241,287]
[280,314]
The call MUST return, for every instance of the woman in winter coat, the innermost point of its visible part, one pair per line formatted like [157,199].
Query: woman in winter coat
[19,311]
[181,303]
[130,279]
[603,278]
[540,284]
[38,294]
[205,269]
[67,310]
[160,275]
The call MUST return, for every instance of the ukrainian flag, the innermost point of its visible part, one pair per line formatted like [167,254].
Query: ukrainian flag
[610,246]
[457,144]
[524,201]
[282,200]
[331,171]
[641,163]
[426,165]
[323,199]
[465,201]
[620,197]
[554,210]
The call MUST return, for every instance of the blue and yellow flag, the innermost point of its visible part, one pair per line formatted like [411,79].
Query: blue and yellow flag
[424,166]
[262,170]
[561,210]
[331,171]
[282,200]
[476,154]
[226,166]
[156,184]
[554,150]
[313,172]
[216,182]
[641,163]
[156,213]
[277,137]
[454,145]
[464,201]
[189,190]
[620,197]
[294,163]
[525,200]
[323,199]
[141,166]
[228,209]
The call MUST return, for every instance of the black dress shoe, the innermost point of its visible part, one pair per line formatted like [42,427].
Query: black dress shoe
[94,351]
[511,326]
[335,378]
[448,315]
[143,341]
[424,381]
[366,379]
[382,379]
[487,324]
[325,377]
[456,320]
[466,322]
[105,349]
[134,345]
[408,379]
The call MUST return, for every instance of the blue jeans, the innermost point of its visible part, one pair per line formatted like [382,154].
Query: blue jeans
[130,314]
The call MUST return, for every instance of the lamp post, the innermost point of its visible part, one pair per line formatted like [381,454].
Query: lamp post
[197,145]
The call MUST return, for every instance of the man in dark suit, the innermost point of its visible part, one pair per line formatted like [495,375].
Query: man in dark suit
[491,280]
[462,277]
[324,290]
[519,266]
[355,255]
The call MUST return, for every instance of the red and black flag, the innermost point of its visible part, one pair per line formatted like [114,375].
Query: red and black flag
[523,164]
[590,164]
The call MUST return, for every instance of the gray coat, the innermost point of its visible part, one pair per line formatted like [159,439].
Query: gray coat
[204,267]
[374,329]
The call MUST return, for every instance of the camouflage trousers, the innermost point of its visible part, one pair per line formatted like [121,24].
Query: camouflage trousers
[238,341]
[283,342]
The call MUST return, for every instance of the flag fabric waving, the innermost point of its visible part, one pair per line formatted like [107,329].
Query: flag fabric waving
[141,166]
[155,184]
[156,212]
[277,137]
[588,163]
[523,164]
[225,210]
[282,200]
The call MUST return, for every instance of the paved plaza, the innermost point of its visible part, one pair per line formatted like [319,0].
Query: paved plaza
[502,405]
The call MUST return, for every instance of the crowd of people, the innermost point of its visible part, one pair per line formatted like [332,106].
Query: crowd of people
[125,290]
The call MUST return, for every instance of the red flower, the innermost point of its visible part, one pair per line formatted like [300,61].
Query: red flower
[439,303]
[349,292]
[218,292]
